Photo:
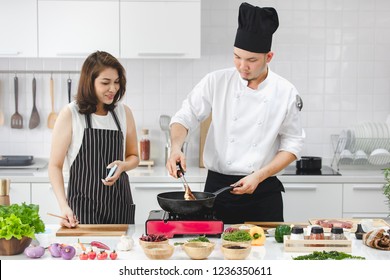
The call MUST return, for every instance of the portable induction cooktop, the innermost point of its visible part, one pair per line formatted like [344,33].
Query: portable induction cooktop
[324,171]
[170,224]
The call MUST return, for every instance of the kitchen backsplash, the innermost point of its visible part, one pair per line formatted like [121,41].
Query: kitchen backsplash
[334,51]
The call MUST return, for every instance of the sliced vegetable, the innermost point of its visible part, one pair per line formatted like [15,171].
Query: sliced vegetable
[34,252]
[68,252]
[100,245]
[280,231]
[258,236]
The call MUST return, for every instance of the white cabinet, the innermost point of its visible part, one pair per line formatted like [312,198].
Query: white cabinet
[307,201]
[145,196]
[19,193]
[364,201]
[77,28]
[160,29]
[18,28]
[43,195]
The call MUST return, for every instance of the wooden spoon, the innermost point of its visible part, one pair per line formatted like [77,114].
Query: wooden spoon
[53,115]
[34,119]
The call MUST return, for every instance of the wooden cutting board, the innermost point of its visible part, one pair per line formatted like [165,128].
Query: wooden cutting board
[355,222]
[268,225]
[94,230]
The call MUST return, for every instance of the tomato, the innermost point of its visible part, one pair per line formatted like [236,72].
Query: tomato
[102,255]
[83,256]
[92,255]
[113,255]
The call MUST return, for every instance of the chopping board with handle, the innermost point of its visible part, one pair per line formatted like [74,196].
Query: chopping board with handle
[94,230]
[268,225]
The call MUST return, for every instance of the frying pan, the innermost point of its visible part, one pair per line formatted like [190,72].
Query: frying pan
[174,202]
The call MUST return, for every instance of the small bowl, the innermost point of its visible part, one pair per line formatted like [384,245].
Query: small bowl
[145,243]
[236,251]
[158,251]
[198,250]
[13,246]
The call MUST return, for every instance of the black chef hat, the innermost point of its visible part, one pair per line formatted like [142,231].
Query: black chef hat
[255,28]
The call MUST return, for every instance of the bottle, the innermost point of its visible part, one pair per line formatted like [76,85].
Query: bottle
[145,145]
[297,233]
[4,192]
[337,233]
[317,233]
[359,232]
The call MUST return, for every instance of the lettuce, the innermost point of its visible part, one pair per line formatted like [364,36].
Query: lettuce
[18,220]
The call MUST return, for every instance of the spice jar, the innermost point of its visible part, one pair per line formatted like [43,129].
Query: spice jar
[297,233]
[337,233]
[317,233]
[4,192]
[145,145]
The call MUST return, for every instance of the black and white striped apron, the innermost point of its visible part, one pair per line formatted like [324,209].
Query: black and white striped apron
[91,201]
[265,204]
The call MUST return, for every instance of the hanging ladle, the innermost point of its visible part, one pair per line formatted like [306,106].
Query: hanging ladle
[188,195]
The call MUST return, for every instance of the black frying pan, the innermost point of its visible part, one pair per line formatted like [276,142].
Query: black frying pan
[174,202]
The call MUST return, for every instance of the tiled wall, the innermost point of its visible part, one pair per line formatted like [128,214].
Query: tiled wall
[334,51]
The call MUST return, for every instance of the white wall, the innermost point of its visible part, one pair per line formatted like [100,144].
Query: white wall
[334,51]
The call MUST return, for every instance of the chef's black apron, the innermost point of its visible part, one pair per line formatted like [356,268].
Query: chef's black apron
[265,204]
[91,201]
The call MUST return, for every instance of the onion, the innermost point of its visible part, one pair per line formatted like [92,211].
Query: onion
[68,252]
[55,250]
[34,251]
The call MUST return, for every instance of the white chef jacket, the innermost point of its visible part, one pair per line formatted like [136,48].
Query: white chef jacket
[248,126]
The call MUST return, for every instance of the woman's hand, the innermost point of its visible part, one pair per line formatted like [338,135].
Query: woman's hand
[71,220]
[109,181]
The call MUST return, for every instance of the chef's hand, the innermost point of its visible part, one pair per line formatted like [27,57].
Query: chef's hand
[109,181]
[71,220]
[246,185]
[176,157]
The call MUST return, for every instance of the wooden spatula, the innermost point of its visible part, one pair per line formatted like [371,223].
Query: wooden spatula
[188,195]
[34,119]
[16,118]
[51,119]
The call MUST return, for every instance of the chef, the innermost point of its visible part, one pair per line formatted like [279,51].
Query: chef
[255,130]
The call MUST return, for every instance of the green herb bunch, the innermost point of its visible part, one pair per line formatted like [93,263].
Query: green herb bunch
[237,236]
[331,255]
[20,220]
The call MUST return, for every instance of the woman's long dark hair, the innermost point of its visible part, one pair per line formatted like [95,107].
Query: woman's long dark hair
[92,67]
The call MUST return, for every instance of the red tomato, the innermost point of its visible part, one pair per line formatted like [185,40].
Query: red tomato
[92,255]
[113,255]
[83,256]
[102,255]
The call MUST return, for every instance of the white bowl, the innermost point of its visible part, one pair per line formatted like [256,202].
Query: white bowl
[346,157]
[379,157]
[360,158]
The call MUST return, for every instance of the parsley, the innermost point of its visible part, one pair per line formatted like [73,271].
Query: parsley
[20,220]
[199,239]
[334,255]
[237,235]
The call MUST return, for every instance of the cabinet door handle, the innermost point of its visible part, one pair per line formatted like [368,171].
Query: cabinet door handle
[10,53]
[367,188]
[301,188]
[71,54]
[149,54]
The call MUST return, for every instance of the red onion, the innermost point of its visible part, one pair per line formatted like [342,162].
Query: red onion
[34,251]
[55,250]
[68,252]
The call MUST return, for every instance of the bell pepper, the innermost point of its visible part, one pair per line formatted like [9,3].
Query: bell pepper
[280,231]
[258,236]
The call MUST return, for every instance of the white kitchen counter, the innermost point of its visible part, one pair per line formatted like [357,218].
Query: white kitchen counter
[270,251]
[198,175]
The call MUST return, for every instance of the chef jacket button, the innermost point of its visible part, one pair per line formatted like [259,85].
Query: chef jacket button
[254,144]
[259,123]
[229,162]
[232,140]
[235,118]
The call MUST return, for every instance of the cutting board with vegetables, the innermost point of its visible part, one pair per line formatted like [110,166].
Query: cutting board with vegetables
[94,230]
[347,224]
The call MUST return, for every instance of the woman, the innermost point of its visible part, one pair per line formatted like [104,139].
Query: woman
[95,133]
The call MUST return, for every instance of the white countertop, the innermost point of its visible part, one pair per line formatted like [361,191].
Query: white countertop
[159,174]
[270,251]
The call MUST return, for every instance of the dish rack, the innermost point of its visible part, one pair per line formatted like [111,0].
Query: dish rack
[359,151]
